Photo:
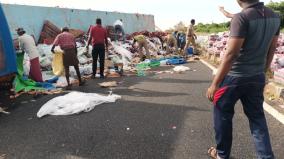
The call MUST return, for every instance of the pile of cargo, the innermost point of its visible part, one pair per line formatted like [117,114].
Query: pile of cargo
[216,47]
[50,31]
[122,57]
[118,53]
[217,43]
[149,34]
[278,61]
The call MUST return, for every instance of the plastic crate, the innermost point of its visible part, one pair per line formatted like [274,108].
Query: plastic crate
[142,65]
[190,51]
[154,64]
[176,61]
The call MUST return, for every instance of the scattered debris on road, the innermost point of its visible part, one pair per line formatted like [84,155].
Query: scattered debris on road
[3,156]
[108,84]
[180,69]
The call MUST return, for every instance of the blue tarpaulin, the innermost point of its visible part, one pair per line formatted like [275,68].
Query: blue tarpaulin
[7,52]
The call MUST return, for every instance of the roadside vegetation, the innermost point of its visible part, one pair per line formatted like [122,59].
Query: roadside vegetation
[221,27]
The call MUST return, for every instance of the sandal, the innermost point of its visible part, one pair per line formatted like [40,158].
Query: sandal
[69,87]
[212,152]
[82,83]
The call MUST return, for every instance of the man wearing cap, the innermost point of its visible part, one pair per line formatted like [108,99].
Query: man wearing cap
[142,43]
[118,27]
[27,45]
[191,36]
[241,76]
[67,43]
[171,41]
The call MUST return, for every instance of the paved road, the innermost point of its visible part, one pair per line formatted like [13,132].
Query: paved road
[165,117]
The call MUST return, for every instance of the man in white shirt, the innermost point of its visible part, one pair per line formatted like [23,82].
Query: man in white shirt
[118,27]
[27,45]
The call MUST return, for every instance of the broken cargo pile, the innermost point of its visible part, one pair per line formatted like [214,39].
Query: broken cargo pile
[121,57]
[216,49]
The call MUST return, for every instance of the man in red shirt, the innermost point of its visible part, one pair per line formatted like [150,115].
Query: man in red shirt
[67,43]
[98,37]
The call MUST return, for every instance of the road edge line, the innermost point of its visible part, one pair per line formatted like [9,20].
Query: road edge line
[213,68]
[268,108]
[275,113]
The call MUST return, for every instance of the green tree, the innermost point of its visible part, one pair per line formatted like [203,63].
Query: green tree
[279,8]
[212,28]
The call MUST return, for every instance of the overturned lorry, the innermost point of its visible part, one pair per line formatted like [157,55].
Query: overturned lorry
[8,66]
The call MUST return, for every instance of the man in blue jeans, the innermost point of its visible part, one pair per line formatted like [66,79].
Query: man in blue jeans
[241,76]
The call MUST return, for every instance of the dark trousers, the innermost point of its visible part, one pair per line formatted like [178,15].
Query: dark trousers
[180,44]
[250,91]
[118,29]
[6,84]
[98,52]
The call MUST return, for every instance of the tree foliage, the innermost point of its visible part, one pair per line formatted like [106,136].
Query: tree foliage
[279,8]
[212,28]
[221,27]
[202,28]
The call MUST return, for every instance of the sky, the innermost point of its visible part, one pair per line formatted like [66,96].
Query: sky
[167,12]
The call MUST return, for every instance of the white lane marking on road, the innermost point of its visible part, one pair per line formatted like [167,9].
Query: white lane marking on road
[209,65]
[275,113]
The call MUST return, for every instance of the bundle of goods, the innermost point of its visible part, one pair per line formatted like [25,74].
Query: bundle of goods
[158,34]
[217,43]
[148,34]
[77,33]
[277,64]
[50,31]
[120,54]
[111,32]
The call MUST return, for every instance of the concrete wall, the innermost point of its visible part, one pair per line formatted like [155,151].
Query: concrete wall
[31,18]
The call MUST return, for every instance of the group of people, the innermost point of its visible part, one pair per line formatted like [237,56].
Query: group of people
[67,43]
[98,39]
[241,76]
[181,41]
[178,39]
[27,45]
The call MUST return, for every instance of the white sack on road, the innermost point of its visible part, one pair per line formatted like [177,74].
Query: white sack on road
[181,69]
[126,55]
[74,103]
